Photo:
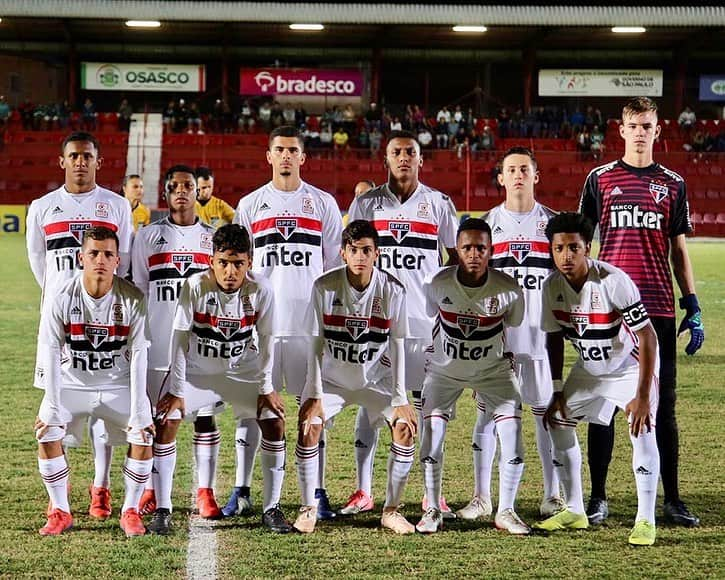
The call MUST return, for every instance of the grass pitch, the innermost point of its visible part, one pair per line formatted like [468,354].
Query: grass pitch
[357,547]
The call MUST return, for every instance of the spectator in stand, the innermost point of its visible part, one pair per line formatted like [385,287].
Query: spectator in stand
[336,117]
[194,124]
[215,117]
[52,116]
[246,117]
[88,115]
[504,123]
[340,139]
[441,130]
[39,115]
[363,138]
[265,116]
[540,123]
[167,117]
[326,136]
[313,123]
[576,121]
[181,117]
[396,125]
[132,190]
[583,143]
[311,134]
[419,118]
[596,143]
[26,110]
[125,111]
[228,117]
[444,115]
[373,117]
[486,141]
[63,111]
[376,140]
[277,116]
[348,119]
[529,123]
[598,118]
[454,125]
[288,114]
[517,128]
[686,121]
[720,142]
[425,138]
[4,112]
[300,115]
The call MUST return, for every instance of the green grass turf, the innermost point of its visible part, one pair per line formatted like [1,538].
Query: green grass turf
[357,547]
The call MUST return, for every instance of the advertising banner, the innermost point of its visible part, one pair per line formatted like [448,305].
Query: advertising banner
[100,76]
[12,219]
[301,82]
[712,88]
[600,83]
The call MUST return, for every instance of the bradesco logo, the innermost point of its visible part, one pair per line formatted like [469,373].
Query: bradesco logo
[301,82]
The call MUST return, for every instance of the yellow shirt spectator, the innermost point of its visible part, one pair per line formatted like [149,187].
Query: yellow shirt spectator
[216,212]
[141,216]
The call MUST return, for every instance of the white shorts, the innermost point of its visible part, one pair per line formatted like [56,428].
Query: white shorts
[204,403]
[242,395]
[375,398]
[290,363]
[498,393]
[415,358]
[535,381]
[111,405]
[594,398]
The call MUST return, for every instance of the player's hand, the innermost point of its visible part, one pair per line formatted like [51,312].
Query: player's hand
[692,322]
[167,405]
[147,433]
[407,414]
[637,410]
[40,428]
[557,405]
[273,402]
[310,409]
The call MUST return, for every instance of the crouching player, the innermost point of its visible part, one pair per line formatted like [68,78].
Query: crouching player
[472,304]
[597,307]
[93,354]
[214,349]
[357,319]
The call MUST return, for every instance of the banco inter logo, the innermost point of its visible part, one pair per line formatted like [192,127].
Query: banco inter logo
[109,75]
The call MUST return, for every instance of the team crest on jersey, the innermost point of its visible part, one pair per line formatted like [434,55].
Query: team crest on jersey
[286,226]
[658,190]
[399,230]
[307,205]
[356,326]
[519,250]
[247,307]
[491,305]
[541,228]
[467,324]
[77,228]
[579,322]
[118,313]
[596,300]
[228,326]
[182,262]
[423,210]
[96,335]
[205,241]
[102,209]
[377,307]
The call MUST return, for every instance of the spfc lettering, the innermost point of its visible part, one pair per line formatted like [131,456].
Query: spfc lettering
[519,250]
[356,327]
[579,322]
[467,324]
[76,229]
[286,227]
[96,335]
[228,326]
[399,230]
[182,262]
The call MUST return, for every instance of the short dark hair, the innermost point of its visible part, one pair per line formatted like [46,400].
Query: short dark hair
[232,237]
[127,178]
[82,136]
[569,222]
[100,233]
[476,224]
[403,134]
[519,151]
[357,230]
[287,131]
[203,172]
[178,169]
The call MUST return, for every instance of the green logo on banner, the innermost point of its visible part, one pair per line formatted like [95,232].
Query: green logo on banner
[109,76]
[718,87]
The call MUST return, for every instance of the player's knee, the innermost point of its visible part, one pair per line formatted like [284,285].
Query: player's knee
[402,434]
[310,438]
[140,452]
[205,424]
[50,449]
[166,432]
[272,429]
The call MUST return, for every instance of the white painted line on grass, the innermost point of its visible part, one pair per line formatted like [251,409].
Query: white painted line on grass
[201,552]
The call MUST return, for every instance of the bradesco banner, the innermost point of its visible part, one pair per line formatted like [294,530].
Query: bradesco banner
[600,83]
[100,76]
[301,82]
[712,88]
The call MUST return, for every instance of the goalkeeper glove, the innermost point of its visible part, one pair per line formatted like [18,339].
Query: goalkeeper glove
[692,322]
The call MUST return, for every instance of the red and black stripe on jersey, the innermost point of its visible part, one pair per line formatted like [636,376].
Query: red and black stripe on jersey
[69,233]
[175,265]
[407,234]
[639,210]
[521,254]
[468,327]
[223,328]
[356,329]
[287,230]
[599,325]
[87,337]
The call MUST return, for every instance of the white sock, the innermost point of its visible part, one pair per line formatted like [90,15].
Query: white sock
[544,446]
[307,476]
[135,474]
[400,460]
[568,455]
[646,467]
[163,473]
[432,457]
[484,450]
[206,452]
[102,453]
[55,474]
[510,462]
[366,443]
[246,444]
[322,459]
[273,463]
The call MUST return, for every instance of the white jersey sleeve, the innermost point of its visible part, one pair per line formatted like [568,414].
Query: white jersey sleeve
[35,241]
[626,299]
[331,234]
[51,341]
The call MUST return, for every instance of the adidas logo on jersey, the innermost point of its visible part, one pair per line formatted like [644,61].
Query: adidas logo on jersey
[497,230]
[446,300]
[211,302]
[161,241]
[337,302]
[57,210]
[264,206]
[560,298]
[75,310]
[642,470]
[616,191]
[378,207]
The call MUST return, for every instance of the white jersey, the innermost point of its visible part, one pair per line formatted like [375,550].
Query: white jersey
[356,327]
[412,235]
[55,227]
[295,238]
[222,325]
[599,320]
[164,255]
[468,336]
[521,249]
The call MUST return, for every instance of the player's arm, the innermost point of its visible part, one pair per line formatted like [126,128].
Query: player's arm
[312,409]
[125,239]
[638,409]
[514,315]
[402,409]
[268,398]
[448,229]
[35,242]
[139,263]
[331,235]
[682,269]
[590,201]
[140,418]
[554,354]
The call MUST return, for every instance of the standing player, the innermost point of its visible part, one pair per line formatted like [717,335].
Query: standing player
[55,227]
[520,249]
[92,354]
[472,305]
[295,230]
[643,216]
[215,351]
[165,253]
[597,308]
[415,223]
[132,190]
[210,209]
[358,321]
